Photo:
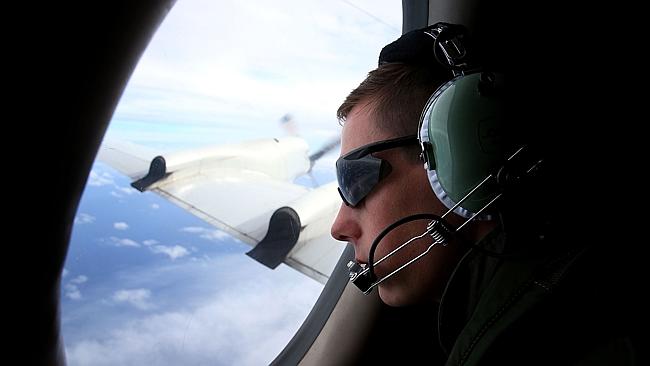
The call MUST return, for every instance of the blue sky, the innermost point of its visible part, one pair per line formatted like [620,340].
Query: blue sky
[147,283]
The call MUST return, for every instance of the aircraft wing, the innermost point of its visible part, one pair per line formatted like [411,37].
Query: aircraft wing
[247,191]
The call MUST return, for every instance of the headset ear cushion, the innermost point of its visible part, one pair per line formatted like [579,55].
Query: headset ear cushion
[448,202]
[423,129]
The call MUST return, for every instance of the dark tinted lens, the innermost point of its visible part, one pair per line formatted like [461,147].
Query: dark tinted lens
[357,177]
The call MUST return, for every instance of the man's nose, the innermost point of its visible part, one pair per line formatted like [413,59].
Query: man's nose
[345,226]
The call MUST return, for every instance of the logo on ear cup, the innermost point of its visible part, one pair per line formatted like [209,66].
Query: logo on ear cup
[490,135]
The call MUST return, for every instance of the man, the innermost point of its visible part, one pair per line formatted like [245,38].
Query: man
[519,293]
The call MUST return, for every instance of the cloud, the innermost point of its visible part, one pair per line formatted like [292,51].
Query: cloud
[310,57]
[79,279]
[127,190]
[155,206]
[72,292]
[193,229]
[174,252]
[150,242]
[96,179]
[64,273]
[246,322]
[71,289]
[205,233]
[139,298]
[124,242]
[84,218]
[120,225]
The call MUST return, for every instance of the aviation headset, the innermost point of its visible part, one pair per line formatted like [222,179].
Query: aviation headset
[462,122]
[469,159]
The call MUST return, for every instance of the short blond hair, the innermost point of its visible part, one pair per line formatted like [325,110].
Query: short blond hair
[396,93]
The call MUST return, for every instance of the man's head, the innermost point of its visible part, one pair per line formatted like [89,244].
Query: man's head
[381,176]
[387,105]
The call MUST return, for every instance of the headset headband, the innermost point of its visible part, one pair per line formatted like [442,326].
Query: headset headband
[442,44]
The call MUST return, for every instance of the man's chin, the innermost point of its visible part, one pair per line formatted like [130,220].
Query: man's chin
[391,297]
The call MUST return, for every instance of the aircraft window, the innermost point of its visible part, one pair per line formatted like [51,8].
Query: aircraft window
[145,280]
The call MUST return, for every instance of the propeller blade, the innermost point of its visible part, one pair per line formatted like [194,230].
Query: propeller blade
[324,150]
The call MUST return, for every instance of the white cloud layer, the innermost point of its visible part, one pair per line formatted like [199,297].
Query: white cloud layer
[127,190]
[139,298]
[124,242]
[150,242]
[120,225]
[72,292]
[79,279]
[209,234]
[246,322]
[71,289]
[174,252]
[84,218]
[207,68]
[98,179]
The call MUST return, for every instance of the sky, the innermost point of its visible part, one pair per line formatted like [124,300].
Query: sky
[144,281]
[240,66]
[169,289]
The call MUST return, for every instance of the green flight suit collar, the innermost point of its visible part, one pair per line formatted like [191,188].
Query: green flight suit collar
[487,294]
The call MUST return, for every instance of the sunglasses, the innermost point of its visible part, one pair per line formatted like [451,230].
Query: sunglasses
[358,172]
